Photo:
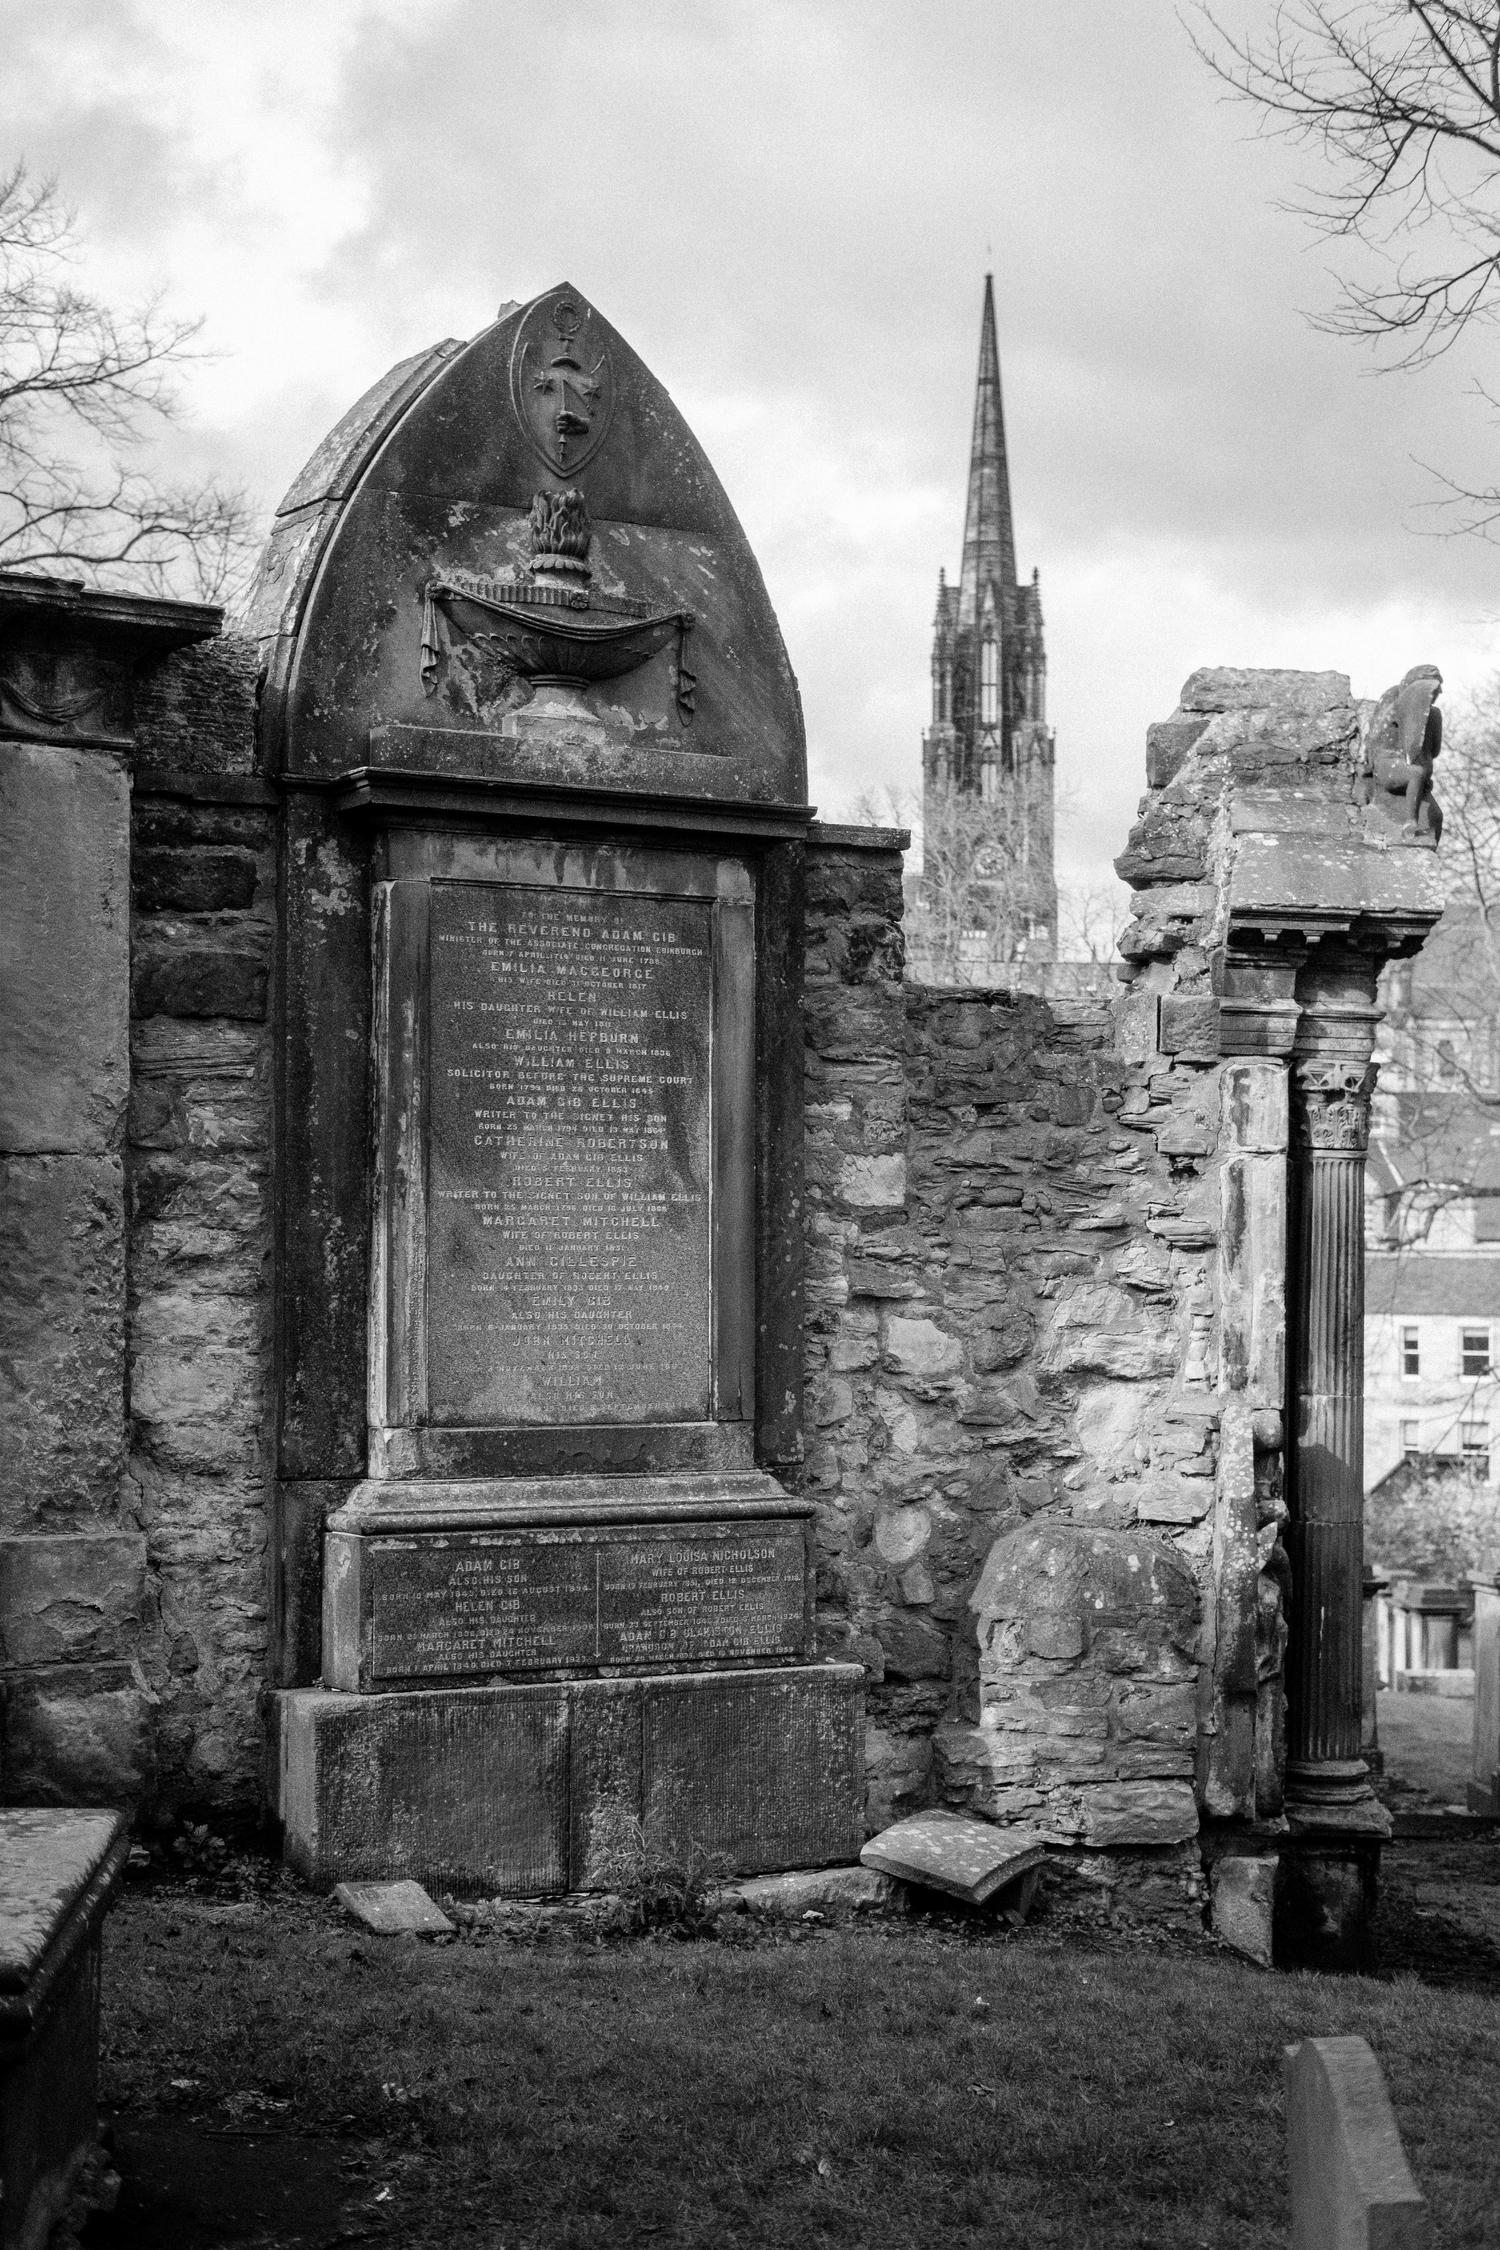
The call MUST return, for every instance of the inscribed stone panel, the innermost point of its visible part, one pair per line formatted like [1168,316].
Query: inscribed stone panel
[570,1156]
[546,1599]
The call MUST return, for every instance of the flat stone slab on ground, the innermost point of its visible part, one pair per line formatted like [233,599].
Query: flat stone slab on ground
[808,1890]
[969,1859]
[1351,2186]
[392,1908]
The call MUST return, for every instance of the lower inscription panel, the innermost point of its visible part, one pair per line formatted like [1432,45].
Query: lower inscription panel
[433,1606]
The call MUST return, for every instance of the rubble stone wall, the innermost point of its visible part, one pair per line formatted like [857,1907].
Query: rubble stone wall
[204,889]
[1011,1217]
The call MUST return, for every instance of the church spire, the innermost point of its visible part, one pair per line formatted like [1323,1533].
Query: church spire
[989,535]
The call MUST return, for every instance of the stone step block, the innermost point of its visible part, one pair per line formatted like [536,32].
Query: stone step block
[529,1790]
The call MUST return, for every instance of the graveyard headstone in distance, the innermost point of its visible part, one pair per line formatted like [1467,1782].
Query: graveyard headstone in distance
[545,795]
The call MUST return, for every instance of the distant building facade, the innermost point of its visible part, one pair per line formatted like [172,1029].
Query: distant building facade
[988,895]
[1432,1267]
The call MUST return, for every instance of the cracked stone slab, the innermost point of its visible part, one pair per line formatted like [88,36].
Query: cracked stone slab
[392,1908]
[969,1859]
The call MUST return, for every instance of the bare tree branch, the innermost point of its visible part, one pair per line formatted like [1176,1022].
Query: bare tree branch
[81,387]
[1401,100]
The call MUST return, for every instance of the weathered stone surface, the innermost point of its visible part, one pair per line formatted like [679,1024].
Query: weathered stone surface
[65,946]
[1281,872]
[1190,1029]
[62,1357]
[201,1350]
[816,1890]
[78,1734]
[1088,1646]
[1167,745]
[179,880]
[873,1183]
[764,1768]
[1254,1116]
[393,1909]
[71,1599]
[47,1860]
[1350,2184]
[919,1347]
[469,1789]
[1136,1812]
[199,969]
[1103,1330]
[1225,688]
[896,1769]
[1243,1891]
[967,1859]
[58,1874]
[1167,845]
[195,711]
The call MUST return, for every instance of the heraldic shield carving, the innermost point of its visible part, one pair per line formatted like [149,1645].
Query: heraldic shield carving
[561,381]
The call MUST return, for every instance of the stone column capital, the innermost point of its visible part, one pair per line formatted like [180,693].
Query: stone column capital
[1331,1115]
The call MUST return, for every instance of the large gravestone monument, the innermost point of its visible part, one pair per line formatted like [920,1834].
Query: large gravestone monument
[540,1109]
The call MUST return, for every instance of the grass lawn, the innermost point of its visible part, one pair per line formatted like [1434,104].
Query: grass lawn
[281,2078]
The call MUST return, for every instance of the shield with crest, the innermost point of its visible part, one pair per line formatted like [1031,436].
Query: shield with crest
[561,380]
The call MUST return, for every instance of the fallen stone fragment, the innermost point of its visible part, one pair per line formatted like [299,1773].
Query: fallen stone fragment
[391,1908]
[969,1859]
[805,1888]
[1351,2186]
[1244,1896]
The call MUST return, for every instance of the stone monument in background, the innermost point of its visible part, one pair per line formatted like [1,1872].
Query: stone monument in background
[541,1114]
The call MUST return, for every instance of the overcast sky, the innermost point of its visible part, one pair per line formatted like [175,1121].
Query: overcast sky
[787,207]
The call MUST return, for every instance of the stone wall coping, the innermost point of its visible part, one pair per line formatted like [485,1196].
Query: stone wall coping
[1334,880]
[834,835]
[88,613]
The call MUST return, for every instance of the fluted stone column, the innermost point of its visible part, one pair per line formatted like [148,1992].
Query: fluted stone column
[1332,1078]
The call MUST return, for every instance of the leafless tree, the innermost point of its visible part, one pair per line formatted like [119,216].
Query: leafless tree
[1091,921]
[1402,100]
[81,388]
[972,912]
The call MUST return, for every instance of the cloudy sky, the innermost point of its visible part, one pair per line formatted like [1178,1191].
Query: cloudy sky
[788,207]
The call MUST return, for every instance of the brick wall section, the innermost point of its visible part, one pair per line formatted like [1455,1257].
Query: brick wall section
[200,1228]
[1011,1223]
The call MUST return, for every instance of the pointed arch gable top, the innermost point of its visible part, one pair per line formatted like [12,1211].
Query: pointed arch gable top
[407,610]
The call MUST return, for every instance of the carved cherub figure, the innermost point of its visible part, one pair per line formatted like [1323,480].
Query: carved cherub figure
[1404,738]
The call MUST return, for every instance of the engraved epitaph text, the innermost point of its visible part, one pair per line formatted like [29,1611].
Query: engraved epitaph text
[545,1600]
[569,1243]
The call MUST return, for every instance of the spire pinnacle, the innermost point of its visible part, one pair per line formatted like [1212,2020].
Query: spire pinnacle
[989,535]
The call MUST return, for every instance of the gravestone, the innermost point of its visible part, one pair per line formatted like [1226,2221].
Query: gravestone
[1351,2186]
[540,1318]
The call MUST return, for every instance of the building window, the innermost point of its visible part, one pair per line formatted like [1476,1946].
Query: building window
[1474,1438]
[1411,1352]
[1411,1438]
[989,681]
[1474,1351]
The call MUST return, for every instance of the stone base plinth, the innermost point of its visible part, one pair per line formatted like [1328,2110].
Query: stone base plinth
[1327,1880]
[519,1791]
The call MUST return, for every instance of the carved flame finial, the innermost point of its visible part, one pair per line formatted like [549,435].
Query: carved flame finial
[561,535]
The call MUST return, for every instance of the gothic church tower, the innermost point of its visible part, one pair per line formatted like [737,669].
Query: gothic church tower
[989,739]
